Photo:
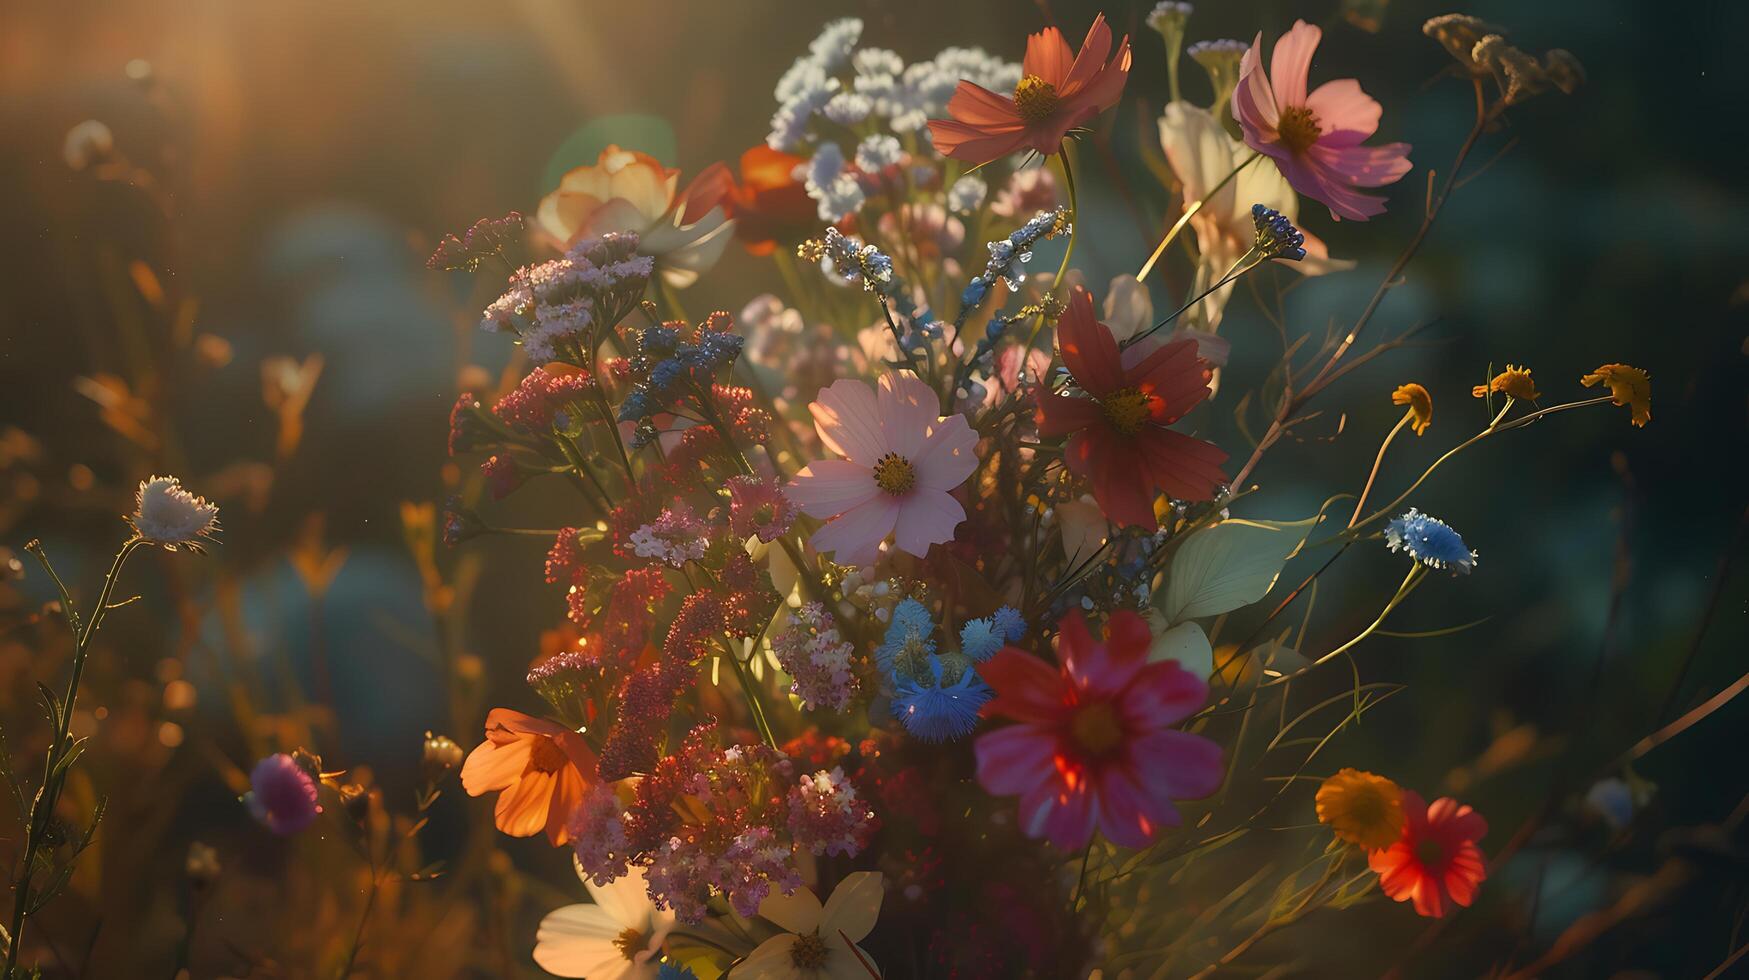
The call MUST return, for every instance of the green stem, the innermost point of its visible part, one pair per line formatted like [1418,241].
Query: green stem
[753,702]
[1074,234]
[49,794]
[1190,212]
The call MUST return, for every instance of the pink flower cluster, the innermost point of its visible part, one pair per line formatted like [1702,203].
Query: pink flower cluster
[537,401]
[817,659]
[559,308]
[676,537]
[728,821]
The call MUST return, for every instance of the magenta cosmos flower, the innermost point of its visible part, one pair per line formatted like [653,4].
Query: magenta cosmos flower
[1315,138]
[1095,748]
[900,462]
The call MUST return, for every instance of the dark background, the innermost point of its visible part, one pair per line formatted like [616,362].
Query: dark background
[315,150]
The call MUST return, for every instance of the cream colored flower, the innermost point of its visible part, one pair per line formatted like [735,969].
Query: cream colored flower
[617,938]
[1201,153]
[821,941]
[684,230]
[167,515]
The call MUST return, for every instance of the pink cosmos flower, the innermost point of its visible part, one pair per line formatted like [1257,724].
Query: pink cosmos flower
[1095,748]
[1060,90]
[900,461]
[1315,138]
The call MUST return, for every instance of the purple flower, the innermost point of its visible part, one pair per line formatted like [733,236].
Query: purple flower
[282,795]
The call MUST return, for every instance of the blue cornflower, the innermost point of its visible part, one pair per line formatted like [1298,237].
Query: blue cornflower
[935,712]
[1429,541]
[911,633]
[1010,624]
[672,971]
[1277,238]
[979,639]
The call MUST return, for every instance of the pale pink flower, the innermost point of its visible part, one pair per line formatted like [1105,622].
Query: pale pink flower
[900,462]
[1315,138]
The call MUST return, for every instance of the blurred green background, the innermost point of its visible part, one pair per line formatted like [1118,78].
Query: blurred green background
[313,152]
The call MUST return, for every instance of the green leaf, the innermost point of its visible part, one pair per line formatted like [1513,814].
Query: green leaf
[1185,643]
[1229,566]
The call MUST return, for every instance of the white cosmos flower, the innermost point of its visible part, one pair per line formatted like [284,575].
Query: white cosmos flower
[165,514]
[617,938]
[821,941]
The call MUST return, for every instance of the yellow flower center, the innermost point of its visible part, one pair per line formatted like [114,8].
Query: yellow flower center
[545,756]
[894,474]
[1298,128]
[1096,729]
[1126,410]
[629,943]
[809,952]
[1035,99]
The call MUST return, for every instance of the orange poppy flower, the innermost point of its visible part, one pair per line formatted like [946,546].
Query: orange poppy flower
[770,206]
[538,768]
[1058,91]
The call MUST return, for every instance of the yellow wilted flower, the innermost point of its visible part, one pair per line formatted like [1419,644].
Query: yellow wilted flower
[1514,382]
[1418,401]
[1628,386]
[1361,808]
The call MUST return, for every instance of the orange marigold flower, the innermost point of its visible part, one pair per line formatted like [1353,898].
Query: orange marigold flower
[1419,402]
[1628,386]
[1361,808]
[1514,382]
[538,768]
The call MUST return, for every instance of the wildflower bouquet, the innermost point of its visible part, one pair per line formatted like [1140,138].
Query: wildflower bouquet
[918,622]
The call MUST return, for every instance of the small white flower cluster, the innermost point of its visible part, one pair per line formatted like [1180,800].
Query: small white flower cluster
[880,86]
[838,192]
[851,259]
[1007,255]
[966,194]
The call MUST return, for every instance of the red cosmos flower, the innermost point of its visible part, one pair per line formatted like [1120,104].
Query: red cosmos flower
[1095,747]
[1058,91]
[1117,433]
[538,768]
[1437,855]
[770,206]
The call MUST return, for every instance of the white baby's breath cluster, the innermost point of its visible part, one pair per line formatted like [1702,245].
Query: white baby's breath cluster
[864,89]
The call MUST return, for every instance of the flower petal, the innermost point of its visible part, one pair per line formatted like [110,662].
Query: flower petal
[1291,63]
[1089,350]
[926,517]
[1048,56]
[1027,688]
[826,488]
[853,906]
[577,941]
[947,457]
[907,409]
[796,912]
[848,419]
[1346,115]
[855,535]
[1013,761]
